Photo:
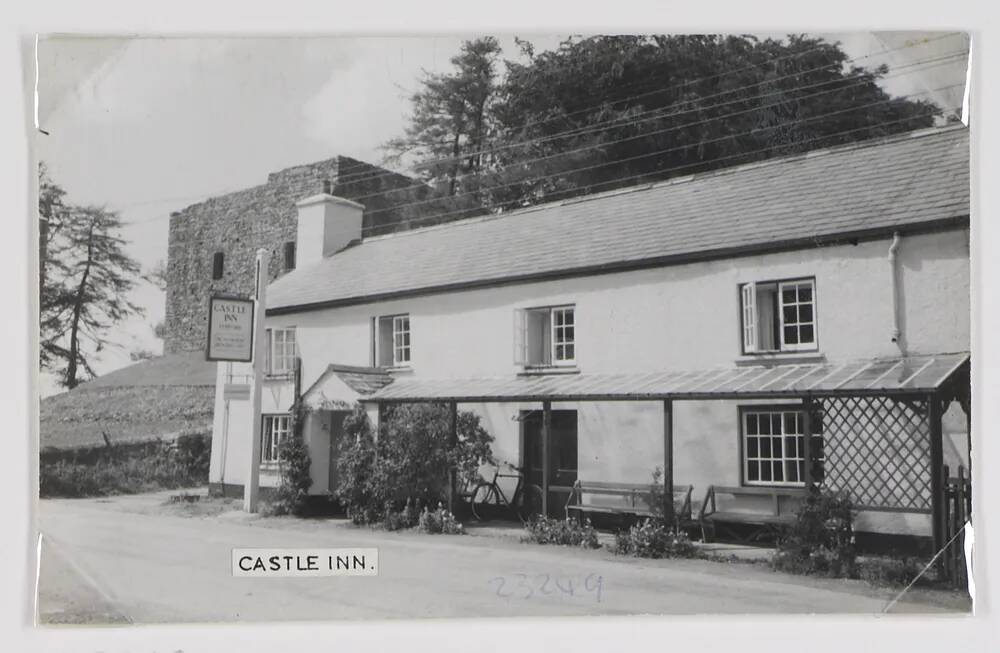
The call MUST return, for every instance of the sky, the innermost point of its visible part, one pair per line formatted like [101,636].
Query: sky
[147,126]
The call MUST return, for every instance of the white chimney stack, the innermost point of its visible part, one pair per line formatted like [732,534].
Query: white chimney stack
[327,224]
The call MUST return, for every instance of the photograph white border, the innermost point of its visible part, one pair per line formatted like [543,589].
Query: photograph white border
[701,634]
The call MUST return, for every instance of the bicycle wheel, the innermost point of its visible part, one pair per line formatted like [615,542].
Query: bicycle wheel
[482,497]
[529,504]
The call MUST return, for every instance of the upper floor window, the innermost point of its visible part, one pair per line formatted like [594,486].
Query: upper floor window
[545,336]
[778,316]
[281,351]
[217,265]
[391,340]
[274,430]
[289,252]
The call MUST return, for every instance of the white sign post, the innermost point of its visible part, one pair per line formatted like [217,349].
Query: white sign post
[251,487]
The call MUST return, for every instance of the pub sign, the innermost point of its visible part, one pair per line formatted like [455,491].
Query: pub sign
[230,329]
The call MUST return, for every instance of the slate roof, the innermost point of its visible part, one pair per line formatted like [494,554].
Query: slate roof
[881,376]
[363,380]
[901,182]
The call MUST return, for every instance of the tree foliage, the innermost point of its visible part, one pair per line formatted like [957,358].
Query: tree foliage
[603,112]
[408,464]
[85,278]
[52,214]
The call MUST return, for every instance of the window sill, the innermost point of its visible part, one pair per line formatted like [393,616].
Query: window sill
[270,467]
[549,370]
[283,376]
[781,357]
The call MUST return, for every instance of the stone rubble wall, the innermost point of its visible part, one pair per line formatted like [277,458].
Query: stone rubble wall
[239,223]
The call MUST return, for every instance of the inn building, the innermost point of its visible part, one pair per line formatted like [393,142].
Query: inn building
[749,330]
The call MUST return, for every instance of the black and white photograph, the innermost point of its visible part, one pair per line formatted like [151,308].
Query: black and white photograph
[493,325]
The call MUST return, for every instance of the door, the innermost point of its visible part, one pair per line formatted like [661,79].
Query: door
[562,454]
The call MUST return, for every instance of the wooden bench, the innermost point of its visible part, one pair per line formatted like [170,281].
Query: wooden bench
[637,498]
[709,514]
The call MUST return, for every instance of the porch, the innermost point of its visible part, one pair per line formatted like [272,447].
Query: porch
[872,428]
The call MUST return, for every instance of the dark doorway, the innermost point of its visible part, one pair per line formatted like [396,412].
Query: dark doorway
[562,454]
[337,443]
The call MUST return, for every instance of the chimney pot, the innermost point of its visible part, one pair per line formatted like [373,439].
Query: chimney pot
[327,187]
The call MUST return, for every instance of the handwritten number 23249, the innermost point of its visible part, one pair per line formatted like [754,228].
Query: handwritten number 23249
[523,586]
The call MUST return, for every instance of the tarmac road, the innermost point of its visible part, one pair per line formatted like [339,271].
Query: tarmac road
[104,562]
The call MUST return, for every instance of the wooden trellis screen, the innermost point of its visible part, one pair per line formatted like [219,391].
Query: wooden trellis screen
[878,450]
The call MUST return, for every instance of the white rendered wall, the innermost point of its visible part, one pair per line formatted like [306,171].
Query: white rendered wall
[683,317]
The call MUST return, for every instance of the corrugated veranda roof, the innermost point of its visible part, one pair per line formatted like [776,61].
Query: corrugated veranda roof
[896,183]
[882,376]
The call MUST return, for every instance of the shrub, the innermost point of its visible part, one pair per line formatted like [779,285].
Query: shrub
[439,521]
[394,520]
[124,468]
[894,572]
[293,456]
[821,539]
[653,539]
[568,532]
[410,459]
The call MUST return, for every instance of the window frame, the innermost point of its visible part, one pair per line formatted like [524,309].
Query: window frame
[393,319]
[270,369]
[744,460]
[273,452]
[755,328]
[399,347]
[521,338]
[554,343]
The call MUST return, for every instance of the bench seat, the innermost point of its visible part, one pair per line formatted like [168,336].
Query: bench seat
[776,516]
[636,499]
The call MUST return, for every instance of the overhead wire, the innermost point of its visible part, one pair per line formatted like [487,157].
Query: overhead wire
[784,92]
[368,176]
[658,172]
[654,153]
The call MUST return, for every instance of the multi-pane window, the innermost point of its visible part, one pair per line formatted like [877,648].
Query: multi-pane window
[774,447]
[391,340]
[281,351]
[401,340]
[778,316]
[274,430]
[798,319]
[563,334]
[289,255]
[545,336]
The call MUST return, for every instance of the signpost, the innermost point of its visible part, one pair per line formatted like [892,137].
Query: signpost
[236,335]
[251,487]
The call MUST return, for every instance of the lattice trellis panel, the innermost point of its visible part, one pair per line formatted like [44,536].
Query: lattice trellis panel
[878,450]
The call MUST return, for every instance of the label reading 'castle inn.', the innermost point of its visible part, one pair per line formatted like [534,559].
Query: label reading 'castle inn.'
[284,563]
[230,329]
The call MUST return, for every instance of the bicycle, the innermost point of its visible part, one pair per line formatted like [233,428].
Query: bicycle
[525,502]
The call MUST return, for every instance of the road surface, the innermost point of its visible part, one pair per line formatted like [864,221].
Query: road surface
[104,562]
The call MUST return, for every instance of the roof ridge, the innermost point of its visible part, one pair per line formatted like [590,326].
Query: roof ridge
[708,174]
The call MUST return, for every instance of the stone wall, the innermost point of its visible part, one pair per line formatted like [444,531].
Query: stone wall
[239,223]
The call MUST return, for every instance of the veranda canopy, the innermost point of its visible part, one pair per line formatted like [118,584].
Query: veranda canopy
[901,376]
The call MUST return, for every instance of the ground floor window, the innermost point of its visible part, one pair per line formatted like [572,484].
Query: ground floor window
[274,430]
[774,447]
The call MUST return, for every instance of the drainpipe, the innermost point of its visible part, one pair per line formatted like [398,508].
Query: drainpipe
[894,281]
